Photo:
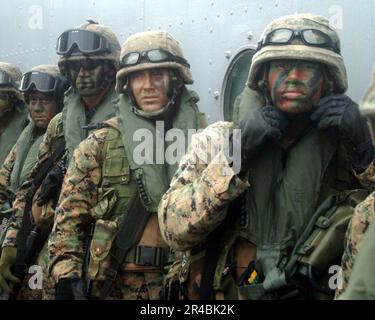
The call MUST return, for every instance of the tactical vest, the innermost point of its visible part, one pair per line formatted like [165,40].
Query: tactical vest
[27,147]
[68,125]
[12,132]
[286,189]
[120,185]
[74,117]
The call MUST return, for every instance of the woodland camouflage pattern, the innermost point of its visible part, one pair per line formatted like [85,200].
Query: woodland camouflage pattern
[203,190]
[78,197]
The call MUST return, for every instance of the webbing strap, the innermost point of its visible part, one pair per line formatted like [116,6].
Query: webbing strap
[214,249]
[128,235]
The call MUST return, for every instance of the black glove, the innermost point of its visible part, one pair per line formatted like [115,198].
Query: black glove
[340,113]
[51,185]
[265,124]
[70,289]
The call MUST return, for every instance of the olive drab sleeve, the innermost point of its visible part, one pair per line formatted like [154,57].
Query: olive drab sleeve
[363,216]
[199,193]
[45,151]
[79,194]
[5,173]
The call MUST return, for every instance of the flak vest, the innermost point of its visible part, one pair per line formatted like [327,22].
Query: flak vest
[123,178]
[286,189]
[27,147]
[12,132]
[68,125]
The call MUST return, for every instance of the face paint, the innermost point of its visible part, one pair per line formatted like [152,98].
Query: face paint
[295,85]
[4,103]
[42,107]
[87,75]
[150,88]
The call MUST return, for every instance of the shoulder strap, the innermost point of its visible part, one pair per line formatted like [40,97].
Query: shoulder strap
[128,235]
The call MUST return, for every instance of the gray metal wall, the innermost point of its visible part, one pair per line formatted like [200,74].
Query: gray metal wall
[210,31]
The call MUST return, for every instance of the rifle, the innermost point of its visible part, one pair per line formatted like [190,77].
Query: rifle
[29,238]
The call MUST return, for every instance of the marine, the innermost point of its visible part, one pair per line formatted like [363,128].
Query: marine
[13,112]
[43,89]
[245,233]
[89,58]
[105,242]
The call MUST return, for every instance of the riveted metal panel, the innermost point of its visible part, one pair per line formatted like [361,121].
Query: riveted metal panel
[210,32]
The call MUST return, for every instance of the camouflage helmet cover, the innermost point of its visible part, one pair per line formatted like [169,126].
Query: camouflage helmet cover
[103,31]
[15,73]
[148,40]
[300,51]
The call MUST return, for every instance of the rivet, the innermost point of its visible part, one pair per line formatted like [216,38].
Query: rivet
[210,61]
[227,54]
[216,95]
[245,9]
[276,3]
[260,6]
[211,29]
[250,35]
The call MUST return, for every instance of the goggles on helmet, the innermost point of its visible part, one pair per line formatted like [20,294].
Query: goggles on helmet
[310,37]
[41,82]
[154,56]
[85,41]
[6,79]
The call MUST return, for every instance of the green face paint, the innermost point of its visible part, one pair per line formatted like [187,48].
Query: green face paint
[295,85]
[87,76]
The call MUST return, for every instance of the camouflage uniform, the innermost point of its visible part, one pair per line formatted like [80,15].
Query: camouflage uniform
[24,157]
[197,203]
[364,213]
[84,198]
[12,124]
[361,284]
[67,125]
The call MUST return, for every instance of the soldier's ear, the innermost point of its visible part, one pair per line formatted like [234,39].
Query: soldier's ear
[329,82]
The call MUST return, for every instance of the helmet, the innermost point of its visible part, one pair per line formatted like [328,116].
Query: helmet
[329,56]
[144,42]
[367,105]
[108,46]
[10,79]
[46,79]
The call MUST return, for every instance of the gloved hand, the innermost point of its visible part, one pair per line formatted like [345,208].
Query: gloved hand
[7,261]
[266,124]
[70,289]
[339,112]
[51,185]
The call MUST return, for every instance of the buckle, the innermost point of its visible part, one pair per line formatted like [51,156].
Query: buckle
[149,256]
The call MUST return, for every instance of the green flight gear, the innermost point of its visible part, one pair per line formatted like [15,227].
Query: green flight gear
[9,136]
[74,117]
[27,147]
[187,117]
[121,181]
